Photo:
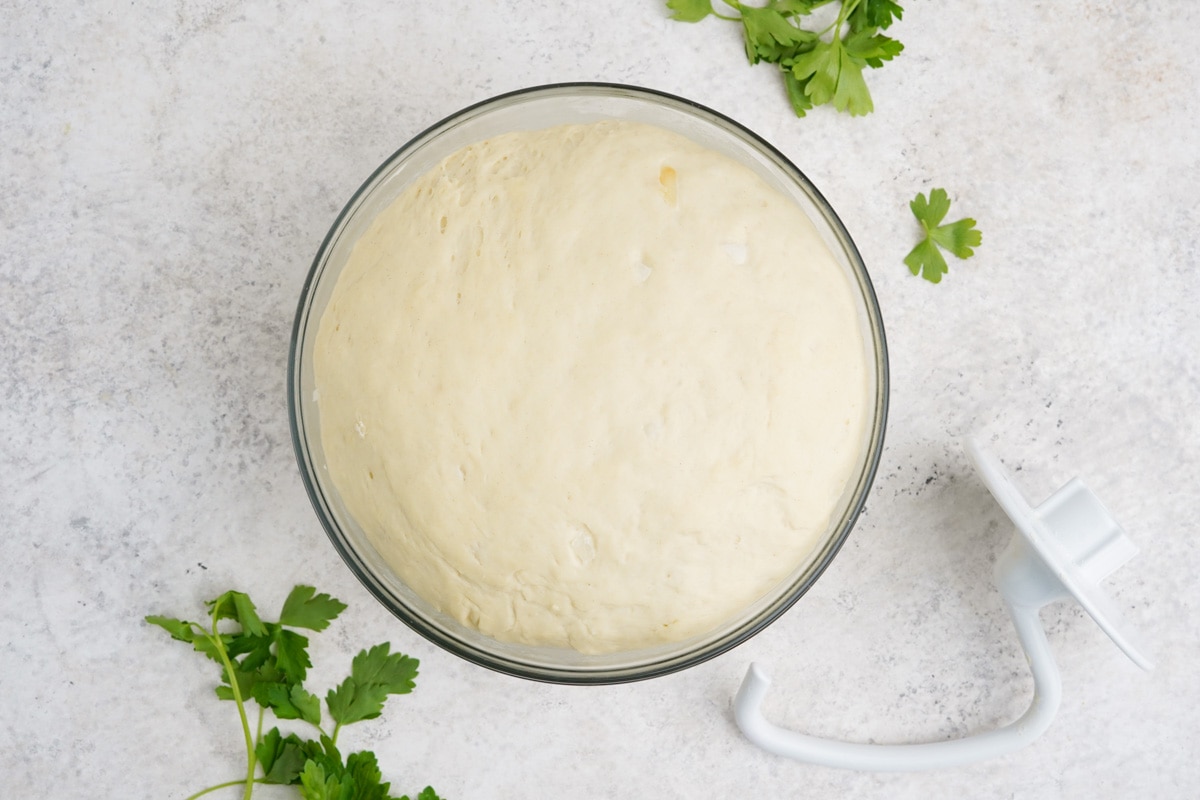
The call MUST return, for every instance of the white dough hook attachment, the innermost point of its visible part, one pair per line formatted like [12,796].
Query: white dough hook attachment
[1063,548]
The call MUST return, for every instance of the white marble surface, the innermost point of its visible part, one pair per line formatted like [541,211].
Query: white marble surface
[168,172]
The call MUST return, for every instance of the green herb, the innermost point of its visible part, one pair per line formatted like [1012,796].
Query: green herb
[958,237]
[267,662]
[819,66]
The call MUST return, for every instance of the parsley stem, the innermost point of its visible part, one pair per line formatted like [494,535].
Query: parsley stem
[843,14]
[731,4]
[203,792]
[251,760]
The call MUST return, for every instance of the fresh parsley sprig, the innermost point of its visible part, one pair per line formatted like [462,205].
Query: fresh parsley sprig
[267,662]
[960,237]
[819,66]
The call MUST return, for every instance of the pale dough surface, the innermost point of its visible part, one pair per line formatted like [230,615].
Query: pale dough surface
[595,386]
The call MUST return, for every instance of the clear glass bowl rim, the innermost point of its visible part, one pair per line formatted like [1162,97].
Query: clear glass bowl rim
[679,660]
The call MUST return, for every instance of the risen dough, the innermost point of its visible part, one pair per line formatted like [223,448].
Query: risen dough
[595,386]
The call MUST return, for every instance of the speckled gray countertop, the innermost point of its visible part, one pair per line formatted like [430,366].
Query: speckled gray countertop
[168,173]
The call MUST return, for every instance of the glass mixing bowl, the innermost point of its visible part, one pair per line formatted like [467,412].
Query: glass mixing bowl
[534,109]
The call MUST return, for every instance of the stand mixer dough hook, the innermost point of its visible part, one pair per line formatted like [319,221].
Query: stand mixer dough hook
[1062,549]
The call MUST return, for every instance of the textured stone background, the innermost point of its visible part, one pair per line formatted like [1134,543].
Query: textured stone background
[170,169]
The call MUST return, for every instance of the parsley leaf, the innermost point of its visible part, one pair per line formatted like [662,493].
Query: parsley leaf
[794,8]
[306,609]
[690,10]
[875,14]
[291,655]
[357,779]
[316,786]
[237,605]
[289,702]
[180,630]
[958,237]
[871,48]
[374,674]
[830,73]
[801,102]
[770,37]
[394,671]
[282,759]
[351,702]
